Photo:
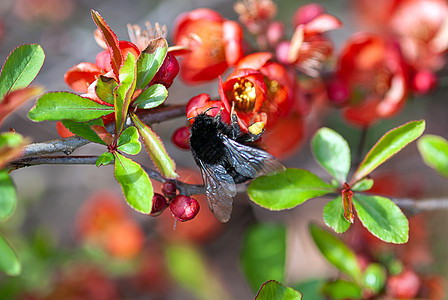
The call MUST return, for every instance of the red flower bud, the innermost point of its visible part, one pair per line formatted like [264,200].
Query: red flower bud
[169,189]
[306,13]
[403,286]
[159,204]
[424,81]
[181,137]
[275,32]
[281,52]
[184,208]
[338,92]
[167,72]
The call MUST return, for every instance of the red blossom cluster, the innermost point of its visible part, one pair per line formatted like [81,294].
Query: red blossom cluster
[262,89]
[404,47]
[274,82]
[371,77]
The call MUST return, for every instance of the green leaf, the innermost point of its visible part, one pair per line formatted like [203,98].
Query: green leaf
[387,146]
[332,152]
[336,252]
[263,254]
[55,106]
[105,89]
[342,289]
[21,67]
[84,129]
[149,61]
[128,141]
[375,277]
[434,151]
[273,290]
[287,189]
[152,97]
[104,159]
[123,93]
[9,262]
[8,197]
[189,269]
[111,41]
[334,215]
[364,184]
[382,218]
[155,148]
[135,183]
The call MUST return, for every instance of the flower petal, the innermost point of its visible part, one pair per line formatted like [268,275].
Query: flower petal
[80,76]
[232,36]
[254,61]
[322,23]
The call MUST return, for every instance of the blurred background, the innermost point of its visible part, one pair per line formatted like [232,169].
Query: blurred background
[75,235]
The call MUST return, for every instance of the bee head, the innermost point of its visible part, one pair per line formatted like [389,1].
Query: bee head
[203,113]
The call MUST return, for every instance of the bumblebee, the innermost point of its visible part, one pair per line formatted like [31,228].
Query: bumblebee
[226,157]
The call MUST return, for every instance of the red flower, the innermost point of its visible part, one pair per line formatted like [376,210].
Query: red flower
[202,103]
[212,43]
[104,222]
[279,83]
[374,72]
[422,27]
[255,14]
[246,90]
[82,77]
[308,47]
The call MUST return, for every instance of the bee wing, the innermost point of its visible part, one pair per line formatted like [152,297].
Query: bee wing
[249,161]
[220,190]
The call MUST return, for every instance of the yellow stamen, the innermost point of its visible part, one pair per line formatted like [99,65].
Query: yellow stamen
[244,95]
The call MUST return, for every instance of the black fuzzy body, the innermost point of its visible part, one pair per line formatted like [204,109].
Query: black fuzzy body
[227,157]
[208,146]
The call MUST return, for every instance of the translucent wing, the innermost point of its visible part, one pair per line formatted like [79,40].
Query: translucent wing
[251,162]
[220,190]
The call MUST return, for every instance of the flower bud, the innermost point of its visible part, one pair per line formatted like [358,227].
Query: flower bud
[403,286]
[306,13]
[281,52]
[181,137]
[184,208]
[167,72]
[159,204]
[424,81]
[338,92]
[274,33]
[169,189]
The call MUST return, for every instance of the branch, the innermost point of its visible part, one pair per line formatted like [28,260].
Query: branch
[68,145]
[416,206]
[53,160]
[412,206]
[184,188]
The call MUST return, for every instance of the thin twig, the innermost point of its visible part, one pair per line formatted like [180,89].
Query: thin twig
[413,206]
[184,188]
[362,144]
[54,160]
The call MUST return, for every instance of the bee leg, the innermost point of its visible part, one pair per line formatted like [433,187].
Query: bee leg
[218,115]
[236,131]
